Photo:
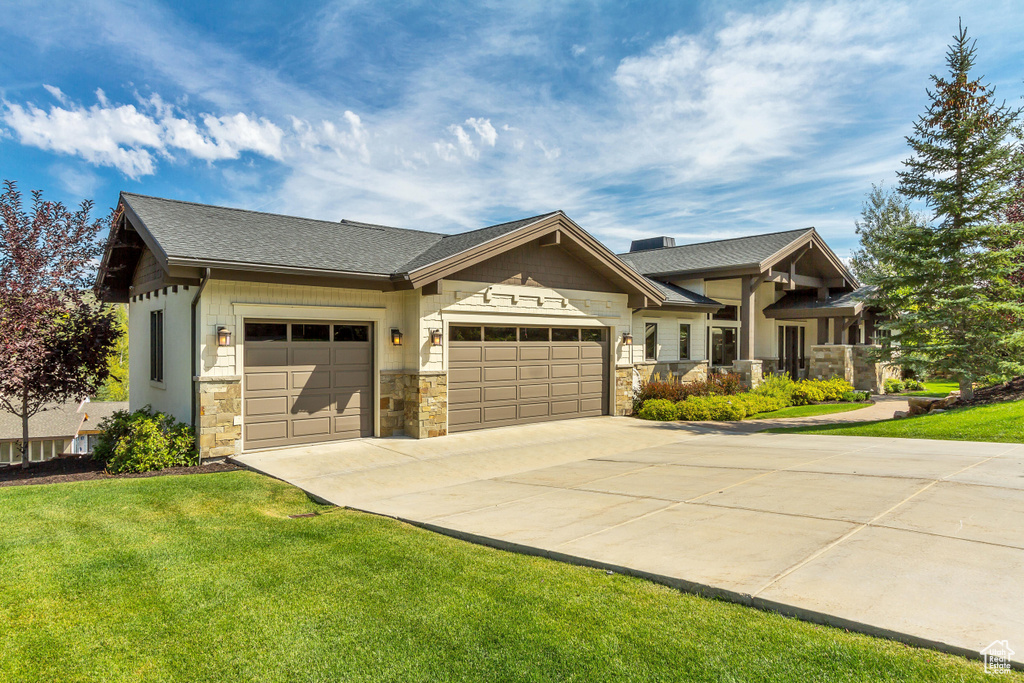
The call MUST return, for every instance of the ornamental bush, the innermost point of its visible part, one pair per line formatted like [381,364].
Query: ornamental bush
[810,391]
[144,441]
[675,390]
[754,403]
[912,385]
[658,409]
[714,407]
[894,386]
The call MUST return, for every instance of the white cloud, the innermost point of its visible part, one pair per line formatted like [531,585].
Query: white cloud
[465,143]
[55,92]
[578,50]
[485,130]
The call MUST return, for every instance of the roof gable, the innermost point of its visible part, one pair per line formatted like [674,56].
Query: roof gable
[719,254]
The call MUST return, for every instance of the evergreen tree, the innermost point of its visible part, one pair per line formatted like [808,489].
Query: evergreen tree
[884,215]
[952,303]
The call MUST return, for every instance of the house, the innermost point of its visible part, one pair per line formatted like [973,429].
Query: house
[59,429]
[266,330]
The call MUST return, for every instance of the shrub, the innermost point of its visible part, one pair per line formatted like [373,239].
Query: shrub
[894,386]
[658,409]
[675,391]
[912,385]
[809,391]
[144,441]
[754,403]
[779,387]
[855,396]
[714,407]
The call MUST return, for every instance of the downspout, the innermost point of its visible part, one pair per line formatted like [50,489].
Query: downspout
[195,367]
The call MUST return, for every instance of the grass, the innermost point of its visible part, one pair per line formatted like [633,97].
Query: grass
[206,578]
[1001,422]
[934,389]
[809,411]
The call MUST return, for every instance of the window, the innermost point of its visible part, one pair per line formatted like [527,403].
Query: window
[156,346]
[458,333]
[311,333]
[684,341]
[565,334]
[651,341]
[593,334]
[266,332]
[500,334]
[351,333]
[534,334]
[726,313]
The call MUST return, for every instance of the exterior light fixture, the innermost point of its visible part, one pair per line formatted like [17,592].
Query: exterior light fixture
[396,337]
[627,339]
[223,337]
[435,337]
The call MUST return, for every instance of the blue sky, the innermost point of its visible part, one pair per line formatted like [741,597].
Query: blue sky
[701,120]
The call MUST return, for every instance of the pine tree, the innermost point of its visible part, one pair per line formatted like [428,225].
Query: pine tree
[952,302]
[884,215]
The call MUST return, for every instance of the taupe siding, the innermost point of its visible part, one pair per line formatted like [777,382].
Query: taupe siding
[537,266]
[148,274]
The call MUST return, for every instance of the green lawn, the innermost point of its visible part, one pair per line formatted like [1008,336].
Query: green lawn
[809,411]
[205,578]
[994,422]
[934,389]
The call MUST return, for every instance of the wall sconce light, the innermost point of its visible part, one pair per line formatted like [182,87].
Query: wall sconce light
[396,337]
[223,337]
[435,337]
[627,339]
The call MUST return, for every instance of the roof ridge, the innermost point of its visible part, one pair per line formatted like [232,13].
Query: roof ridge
[498,225]
[278,215]
[727,239]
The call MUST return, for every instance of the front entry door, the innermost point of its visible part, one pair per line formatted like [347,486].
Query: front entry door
[723,345]
[791,355]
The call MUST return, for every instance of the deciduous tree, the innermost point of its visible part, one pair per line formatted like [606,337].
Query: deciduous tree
[55,337]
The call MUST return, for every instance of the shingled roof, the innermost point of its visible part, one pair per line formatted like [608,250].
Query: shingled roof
[738,252]
[56,420]
[680,296]
[845,303]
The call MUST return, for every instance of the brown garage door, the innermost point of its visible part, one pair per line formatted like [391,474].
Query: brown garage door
[510,375]
[306,382]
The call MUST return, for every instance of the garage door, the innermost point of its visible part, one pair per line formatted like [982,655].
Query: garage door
[306,382]
[512,375]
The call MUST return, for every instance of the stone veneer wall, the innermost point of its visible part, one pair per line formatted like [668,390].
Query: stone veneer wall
[220,416]
[831,360]
[683,370]
[623,391]
[426,405]
[751,372]
[869,375]
[393,388]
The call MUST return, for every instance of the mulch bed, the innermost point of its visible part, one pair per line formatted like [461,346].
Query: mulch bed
[81,468]
[1008,391]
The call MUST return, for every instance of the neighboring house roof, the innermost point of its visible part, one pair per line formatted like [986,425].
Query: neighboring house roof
[803,305]
[95,412]
[719,254]
[679,296]
[56,420]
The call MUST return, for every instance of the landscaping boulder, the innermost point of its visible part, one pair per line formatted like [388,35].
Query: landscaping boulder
[946,403]
[899,415]
[919,405]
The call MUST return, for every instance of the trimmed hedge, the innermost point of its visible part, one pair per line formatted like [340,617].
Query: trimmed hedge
[774,393]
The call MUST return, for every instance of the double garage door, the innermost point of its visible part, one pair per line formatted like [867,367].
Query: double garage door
[306,382]
[503,375]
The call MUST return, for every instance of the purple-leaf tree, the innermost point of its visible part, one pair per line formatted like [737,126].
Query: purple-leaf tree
[55,335]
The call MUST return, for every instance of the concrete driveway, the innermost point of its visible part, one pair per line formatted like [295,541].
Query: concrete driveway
[917,540]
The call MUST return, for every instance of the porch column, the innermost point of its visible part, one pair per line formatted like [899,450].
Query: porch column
[838,331]
[748,285]
[822,331]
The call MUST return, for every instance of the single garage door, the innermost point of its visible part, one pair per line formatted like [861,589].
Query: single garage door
[501,375]
[306,382]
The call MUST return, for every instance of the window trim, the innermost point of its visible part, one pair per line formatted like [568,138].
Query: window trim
[156,346]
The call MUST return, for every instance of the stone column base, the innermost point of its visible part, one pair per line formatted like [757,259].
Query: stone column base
[426,405]
[831,360]
[751,371]
[623,391]
[219,430]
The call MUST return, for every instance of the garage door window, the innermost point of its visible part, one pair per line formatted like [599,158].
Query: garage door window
[500,334]
[351,333]
[266,332]
[534,334]
[311,333]
[565,334]
[458,333]
[593,335]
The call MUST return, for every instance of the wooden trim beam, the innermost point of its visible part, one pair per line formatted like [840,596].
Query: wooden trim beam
[748,310]
[552,239]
